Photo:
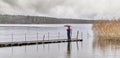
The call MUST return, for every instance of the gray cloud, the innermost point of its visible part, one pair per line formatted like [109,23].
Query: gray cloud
[91,9]
[11,3]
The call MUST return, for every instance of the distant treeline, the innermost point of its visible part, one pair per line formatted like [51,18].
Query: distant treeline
[19,19]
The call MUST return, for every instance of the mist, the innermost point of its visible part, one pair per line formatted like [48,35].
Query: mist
[87,9]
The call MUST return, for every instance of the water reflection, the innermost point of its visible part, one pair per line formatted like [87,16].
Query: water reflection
[68,50]
[105,43]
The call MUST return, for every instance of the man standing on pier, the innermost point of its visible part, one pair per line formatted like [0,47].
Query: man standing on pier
[69,32]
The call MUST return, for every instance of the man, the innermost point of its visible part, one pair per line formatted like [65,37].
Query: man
[69,32]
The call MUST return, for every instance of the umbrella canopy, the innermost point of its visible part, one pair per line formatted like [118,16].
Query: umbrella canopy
[67,26]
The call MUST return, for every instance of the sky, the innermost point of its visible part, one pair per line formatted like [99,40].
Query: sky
[87,9]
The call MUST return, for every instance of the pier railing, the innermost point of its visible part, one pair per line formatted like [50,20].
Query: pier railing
[26,36]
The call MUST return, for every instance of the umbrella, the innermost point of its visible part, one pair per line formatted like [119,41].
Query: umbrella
[67,26]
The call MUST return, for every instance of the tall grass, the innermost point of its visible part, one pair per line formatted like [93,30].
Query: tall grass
[107,28]
[106,34]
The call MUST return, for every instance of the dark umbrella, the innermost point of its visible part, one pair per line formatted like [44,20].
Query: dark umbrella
[67,26]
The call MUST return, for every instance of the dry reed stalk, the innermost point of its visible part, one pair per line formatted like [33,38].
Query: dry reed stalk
[107,28]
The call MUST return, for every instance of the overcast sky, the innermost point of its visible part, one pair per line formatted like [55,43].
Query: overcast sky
[91,9]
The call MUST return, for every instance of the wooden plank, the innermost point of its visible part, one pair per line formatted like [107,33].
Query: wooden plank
[21,43]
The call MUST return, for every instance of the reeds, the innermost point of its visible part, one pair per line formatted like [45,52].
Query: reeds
[107,28]
[106,34]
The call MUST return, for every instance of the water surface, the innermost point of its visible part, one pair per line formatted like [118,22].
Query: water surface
[91,47]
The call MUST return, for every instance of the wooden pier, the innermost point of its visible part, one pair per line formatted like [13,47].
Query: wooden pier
[21,43]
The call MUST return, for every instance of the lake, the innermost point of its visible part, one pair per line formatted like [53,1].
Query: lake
[89,48]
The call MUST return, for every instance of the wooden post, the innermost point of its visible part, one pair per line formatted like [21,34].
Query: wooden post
[48,35]
[12,37]
[81,35]
[37,38]
[37,42]
[25,46]
[58,38]
[87,35]
[58,35]
[25,37]
[11,44]
[43,40]
[77,35]
[48,39]
[77,39]
[43,37]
